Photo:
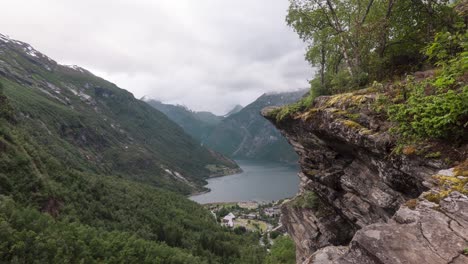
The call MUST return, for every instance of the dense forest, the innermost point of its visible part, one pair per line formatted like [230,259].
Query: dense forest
[88,174]
[50,213]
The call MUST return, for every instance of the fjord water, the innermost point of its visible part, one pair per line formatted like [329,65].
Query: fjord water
[259,181]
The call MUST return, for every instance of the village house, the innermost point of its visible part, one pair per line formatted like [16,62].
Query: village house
[228,220]
[272,212]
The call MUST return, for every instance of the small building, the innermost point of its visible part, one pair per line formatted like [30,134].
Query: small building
[251,216]
[228,220]
[272,212]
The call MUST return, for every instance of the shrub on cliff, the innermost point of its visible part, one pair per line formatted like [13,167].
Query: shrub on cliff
[437,107]
[282,251]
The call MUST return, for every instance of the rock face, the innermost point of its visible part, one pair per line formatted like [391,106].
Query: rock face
[348,160]
[429,233]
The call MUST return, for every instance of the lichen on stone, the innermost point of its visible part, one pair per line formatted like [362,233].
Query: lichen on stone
[455,180]
[355,125]
[345,99]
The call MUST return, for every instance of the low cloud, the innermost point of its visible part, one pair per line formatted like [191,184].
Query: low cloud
[206,54]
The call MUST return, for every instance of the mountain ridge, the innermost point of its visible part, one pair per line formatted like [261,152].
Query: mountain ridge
[76,188]
[113,131]
[198,124]
[247,135]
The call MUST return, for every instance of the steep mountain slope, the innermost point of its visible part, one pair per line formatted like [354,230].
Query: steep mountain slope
[197,124]
[97,127]
[51,212]
[62,196]
[247,135]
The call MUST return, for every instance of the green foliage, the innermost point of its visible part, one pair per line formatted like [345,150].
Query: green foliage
[6,111]
[354,43]
[240,230]
[31,237]
[284,112]
[450,52]
[433,116]
[433,155]
[446,46]
[274,234]
[287,111]
[308,200]
[104,214]
[437,107]
[283,251]
[222,213]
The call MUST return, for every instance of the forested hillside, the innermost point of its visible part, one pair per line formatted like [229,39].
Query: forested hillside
[82,167]
[197,124]
[242,133]
[97,127]
[247,135]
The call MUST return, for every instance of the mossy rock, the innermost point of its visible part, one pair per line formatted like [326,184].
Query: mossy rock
[346,100]
[458,182]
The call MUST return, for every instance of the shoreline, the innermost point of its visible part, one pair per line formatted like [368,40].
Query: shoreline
[240,188]
[234,172]
[230,173]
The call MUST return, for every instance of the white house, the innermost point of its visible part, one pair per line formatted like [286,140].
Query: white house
[228,220]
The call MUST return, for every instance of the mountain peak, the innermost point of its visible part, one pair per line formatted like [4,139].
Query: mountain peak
[234,110]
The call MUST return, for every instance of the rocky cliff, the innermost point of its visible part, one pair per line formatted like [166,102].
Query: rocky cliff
[366,199]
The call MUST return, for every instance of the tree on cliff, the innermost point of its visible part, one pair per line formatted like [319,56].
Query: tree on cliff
[351,41]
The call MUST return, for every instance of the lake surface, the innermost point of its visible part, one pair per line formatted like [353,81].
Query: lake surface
[260,181]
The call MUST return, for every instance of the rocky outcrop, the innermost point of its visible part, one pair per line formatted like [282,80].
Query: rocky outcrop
[429,233]
[348,160]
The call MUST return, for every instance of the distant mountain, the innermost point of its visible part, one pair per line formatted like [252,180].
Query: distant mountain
[197,124]
[93,125]
[235,110]
[247,135]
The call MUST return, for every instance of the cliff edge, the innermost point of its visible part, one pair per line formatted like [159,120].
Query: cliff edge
[366,198]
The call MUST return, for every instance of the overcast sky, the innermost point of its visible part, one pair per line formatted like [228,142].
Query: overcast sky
[205,54]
